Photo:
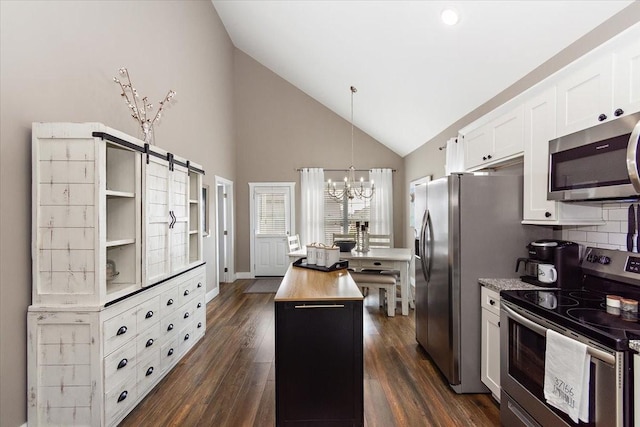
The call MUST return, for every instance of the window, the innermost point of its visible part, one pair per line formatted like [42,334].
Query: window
[271,210]
[341,216]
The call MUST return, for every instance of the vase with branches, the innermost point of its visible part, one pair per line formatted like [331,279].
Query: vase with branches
[141,108]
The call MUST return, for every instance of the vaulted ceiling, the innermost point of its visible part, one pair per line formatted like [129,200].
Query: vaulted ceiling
[415,75]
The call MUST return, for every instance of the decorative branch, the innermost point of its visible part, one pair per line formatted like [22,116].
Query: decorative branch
[130,95]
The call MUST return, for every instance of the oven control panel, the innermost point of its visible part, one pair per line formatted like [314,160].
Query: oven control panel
[611,264]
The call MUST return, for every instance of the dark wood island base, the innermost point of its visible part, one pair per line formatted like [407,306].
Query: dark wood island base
[319,350]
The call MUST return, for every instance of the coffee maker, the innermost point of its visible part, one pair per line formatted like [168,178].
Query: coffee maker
[564,257]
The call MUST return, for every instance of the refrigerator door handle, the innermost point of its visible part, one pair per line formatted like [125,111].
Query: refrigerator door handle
[426,243]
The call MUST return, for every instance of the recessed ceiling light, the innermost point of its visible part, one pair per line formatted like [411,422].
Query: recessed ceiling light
[449,16]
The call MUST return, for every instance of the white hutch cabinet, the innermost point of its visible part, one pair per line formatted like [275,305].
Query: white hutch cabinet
[118,272]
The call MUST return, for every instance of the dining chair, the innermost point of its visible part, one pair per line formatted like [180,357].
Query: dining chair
[294,243]
[386,286]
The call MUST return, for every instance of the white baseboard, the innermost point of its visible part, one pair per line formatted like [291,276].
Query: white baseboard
[213,293]
[244,275]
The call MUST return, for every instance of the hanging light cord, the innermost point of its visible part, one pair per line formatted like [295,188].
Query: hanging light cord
[353,90]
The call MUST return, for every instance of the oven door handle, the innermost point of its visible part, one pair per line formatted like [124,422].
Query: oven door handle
[541,330]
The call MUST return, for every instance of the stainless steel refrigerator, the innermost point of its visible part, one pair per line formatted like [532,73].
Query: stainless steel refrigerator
[471,229]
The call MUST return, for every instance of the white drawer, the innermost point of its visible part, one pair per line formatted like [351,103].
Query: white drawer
[170,324]
[170,352]
[490,300]
[186,337]
[148,313]
[169,301]
[149,341]
[119,365]
[119,329]
[372,264]
[120,399]
[149,371]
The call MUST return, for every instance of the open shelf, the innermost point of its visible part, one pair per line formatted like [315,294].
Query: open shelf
[123,194]
[116,290]
[121,242]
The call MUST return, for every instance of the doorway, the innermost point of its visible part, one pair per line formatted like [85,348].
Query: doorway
[224,230]
[272,221]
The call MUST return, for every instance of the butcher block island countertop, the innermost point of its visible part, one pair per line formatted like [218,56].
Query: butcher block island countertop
[303,284]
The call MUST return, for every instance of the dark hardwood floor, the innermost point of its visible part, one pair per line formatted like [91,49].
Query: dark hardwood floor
[228,377]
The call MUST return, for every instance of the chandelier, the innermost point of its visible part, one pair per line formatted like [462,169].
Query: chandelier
[351,189]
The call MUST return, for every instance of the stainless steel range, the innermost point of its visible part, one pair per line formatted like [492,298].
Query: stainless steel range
[583,315]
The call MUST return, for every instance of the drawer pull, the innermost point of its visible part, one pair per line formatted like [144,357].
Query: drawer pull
[122,396]
[170,302]
[149,371]
[170,327]
[149,342]
[122,363]
[492,302]
[186,315]
[199,284]
[199,324]
[377,263]
[186,337]
[199,304]
[186,292]
[122,330]
[148,315]
[170,352]
[618,112]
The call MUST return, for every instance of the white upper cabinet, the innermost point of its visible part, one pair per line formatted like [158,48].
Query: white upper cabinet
[539,128]
[626,67]
[604,88]
[499,140]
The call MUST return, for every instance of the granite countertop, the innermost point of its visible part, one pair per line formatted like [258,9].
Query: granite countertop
[508,284]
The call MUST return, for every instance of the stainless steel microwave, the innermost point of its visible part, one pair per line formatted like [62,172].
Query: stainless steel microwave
[599,163]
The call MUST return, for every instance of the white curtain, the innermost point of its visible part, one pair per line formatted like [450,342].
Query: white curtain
[312,202]
[454,160]
[381,221]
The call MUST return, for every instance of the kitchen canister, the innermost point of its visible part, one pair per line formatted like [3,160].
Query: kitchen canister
[332,255]
[321,259]
[312,254]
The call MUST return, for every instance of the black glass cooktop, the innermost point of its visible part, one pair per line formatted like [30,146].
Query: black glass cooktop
[584,311]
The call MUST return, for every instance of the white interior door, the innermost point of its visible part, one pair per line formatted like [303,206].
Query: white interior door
[272,215]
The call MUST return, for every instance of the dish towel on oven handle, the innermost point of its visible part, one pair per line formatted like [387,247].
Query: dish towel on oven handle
[566,376]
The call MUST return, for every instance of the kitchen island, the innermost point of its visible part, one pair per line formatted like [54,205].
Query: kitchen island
[319,349]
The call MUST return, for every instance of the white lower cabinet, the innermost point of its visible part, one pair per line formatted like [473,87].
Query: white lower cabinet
[91,367]
[490,346]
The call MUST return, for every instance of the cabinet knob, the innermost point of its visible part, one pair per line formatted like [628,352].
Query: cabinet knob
[186,337]
[199,324]
[122,363]
[149,371]
[148,315]
[484,157]
[186,315]
[170,302]
[489,156]
[122,330]
[170,352]
[199,304]
[149,342]
[122,396]
[199,284]
[602,117]
[170,327]
[547,214]
[186,292]
[618,112]
[498,324]
[492,302]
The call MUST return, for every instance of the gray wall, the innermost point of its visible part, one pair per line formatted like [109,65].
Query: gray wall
[428,160]
[57,62]
[279,129]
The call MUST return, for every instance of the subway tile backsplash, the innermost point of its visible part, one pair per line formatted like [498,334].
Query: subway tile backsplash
[611,235]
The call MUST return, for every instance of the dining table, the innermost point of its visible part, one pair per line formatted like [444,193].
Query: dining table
[378,259]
